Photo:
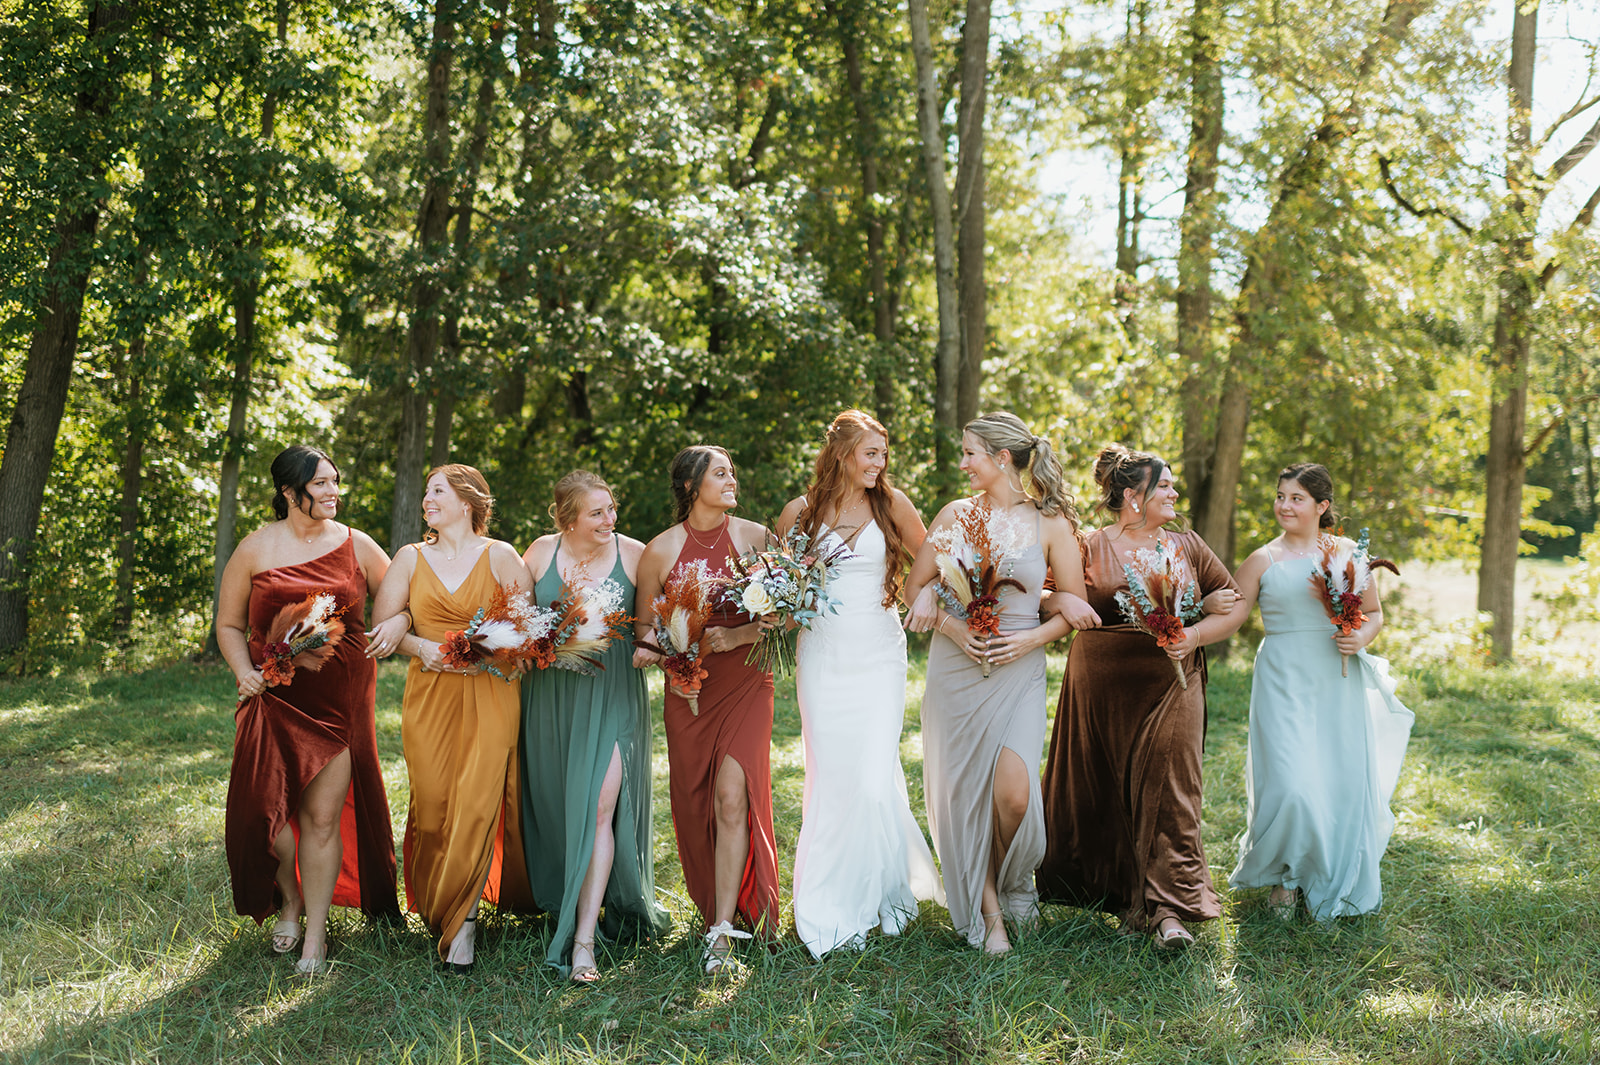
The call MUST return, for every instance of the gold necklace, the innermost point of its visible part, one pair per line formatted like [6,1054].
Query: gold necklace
[689,529]
[450,558]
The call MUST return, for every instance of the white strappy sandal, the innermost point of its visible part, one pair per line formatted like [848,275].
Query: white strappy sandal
[715,962]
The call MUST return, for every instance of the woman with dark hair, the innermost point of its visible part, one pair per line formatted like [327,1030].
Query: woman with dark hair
[586,749]
[983,729]
[458,725]
[861,861]
[1325,749]
[719,759]
[307,822]
[1122,783]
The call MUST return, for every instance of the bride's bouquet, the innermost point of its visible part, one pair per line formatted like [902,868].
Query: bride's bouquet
[1162,596]
[975,556]
[574,631]
[498,636]
[302,636]
[788,578]
[1339,576]
[681,612]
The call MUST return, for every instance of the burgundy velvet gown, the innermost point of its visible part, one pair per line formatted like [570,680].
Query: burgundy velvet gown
[286,736]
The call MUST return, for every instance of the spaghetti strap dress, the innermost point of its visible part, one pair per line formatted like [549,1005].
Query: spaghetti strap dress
[1122,784]
[570,725]
[735,721]
[288,734]
[967,720]
[1324,756]
[459,732]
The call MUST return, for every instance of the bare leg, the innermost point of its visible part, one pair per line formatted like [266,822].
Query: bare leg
[1010,807]
[321,849]
[294,904]
[732,804]
[593,891]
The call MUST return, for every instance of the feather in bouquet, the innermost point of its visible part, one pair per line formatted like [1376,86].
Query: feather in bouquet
[1162,596]
[1339,577]
[681,612]
[788,578]
[577,628]
[498,635]
[975,556]
[302,636]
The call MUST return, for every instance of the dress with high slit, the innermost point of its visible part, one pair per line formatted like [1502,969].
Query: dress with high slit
[459,732]
[861,861]
[968,720]
[1122,784]
[571,725]
[734,722]
[1324,756]
[288,734]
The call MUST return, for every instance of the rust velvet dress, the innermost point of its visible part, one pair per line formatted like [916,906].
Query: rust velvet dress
[285,736]
[1122,780]
[459,734]
[735,721]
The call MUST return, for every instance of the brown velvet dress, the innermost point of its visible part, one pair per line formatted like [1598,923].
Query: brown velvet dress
[1122,780]
[288,734]
[735,721]
[459,732]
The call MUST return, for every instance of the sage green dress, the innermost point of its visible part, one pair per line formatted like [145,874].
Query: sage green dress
[570,723]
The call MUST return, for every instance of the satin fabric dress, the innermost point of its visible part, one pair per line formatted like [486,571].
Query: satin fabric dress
[571,724]
[1324,756]
[967,720]
[459,733]
[735,721]
[1122,784]
[861,861]
[287,735]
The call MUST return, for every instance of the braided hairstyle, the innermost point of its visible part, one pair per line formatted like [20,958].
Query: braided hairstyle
[830,484]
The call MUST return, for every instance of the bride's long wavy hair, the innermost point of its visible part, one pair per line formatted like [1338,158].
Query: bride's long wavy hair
[832,482]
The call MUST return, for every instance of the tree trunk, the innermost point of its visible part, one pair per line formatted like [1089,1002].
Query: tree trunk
[1133,147]
[422,344]
[1195,249]
[1506,462]
[132,482]
[47,374]
[947,356]
[970,206]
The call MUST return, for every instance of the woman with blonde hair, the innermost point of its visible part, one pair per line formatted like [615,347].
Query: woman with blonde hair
[458,725]
[983,729]
[861,861]
[586,748]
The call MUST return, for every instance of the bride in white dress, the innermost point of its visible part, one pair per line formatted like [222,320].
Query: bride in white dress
[862,861]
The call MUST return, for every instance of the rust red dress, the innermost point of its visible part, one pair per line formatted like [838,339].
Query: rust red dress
[285,736]
[1122,778]
[735,721]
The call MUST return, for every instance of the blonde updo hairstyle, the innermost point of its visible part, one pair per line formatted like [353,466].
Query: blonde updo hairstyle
[569,493]
[1118,468]
[1043,479]
[469,484]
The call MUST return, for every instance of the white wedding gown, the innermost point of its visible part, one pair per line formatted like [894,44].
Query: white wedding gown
[861,861]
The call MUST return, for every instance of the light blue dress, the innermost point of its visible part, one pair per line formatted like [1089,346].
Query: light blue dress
[1325,753]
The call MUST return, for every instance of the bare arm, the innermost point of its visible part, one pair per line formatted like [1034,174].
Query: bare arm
[382,640]
[233,619]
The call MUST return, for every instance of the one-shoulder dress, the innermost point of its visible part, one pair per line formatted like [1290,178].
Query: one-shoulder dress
[459,733]
[967,720]
[288,734]
[735,721]
[1122,785]
[861,861]
[1324,756]
[570,725]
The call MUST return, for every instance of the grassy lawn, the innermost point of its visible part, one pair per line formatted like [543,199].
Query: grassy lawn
[117,941]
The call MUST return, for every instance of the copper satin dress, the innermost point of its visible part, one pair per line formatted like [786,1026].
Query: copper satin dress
[287,735]
[735,721]
[1122,782]
[459,734]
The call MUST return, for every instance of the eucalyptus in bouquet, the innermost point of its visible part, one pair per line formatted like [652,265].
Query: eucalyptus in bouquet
[1162,597]
[788,578]
[574,631]
[498,636]
[1338,577]
[975,556]
[303,635]
[681,612]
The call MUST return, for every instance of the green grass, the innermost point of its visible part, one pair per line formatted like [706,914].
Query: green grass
[117,941]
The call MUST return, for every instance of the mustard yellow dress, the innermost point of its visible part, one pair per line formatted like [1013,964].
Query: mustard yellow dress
[459,734]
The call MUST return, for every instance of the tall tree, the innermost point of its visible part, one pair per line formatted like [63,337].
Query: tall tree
[971,216]
[1197,229]
[36,417]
